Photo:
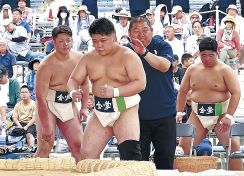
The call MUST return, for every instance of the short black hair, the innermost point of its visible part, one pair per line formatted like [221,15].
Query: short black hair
[208,44]
[176,58]
[197,22]
[139,19]
[102,26]
[24,86]
[61,29]
[18,10]
[185,57]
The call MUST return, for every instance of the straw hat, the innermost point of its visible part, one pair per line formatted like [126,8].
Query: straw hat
[230,18]
[83,8]
[122,13]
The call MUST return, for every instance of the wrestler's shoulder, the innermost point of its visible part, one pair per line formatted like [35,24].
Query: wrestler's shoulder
[195,66]
[125,51]
[76,54]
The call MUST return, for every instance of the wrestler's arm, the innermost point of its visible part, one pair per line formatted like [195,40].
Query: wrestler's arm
[43,77]
[136,75]
[233,86]
[79,79]
[184,89]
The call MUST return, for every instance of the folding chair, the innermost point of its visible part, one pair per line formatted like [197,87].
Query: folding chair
[236,129]
[186,130]
[182,130]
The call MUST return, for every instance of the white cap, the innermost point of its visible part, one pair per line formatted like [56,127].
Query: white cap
[84,8]
[176,9]
[6,22]
[231,6]
[196,13]
[6,6]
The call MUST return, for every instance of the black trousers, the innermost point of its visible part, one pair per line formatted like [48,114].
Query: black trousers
[162,134]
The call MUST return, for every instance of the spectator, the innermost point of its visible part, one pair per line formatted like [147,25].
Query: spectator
[114,16]
[187,60]
[31,77]
[63,17]
[216,110]
[16,38]
[24,115]
[193,41]
[18,21]
[7,60]
[157,26]
[179,21]
[161,15]
[90,105]
[124,40]
[184,4]
[9,93]
[92,7]
[6,13]
[228,40]
[176,44]
[123,25]
[26,12]
[239,27]
[157,107]
[177,70]
[81,26]
[187,29]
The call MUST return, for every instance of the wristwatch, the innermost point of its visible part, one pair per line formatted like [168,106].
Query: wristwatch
[143,55]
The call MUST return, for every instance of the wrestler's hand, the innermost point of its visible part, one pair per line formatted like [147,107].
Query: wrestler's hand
[106,91]
[83,114]
[76,95]
[138,46]
[224,124]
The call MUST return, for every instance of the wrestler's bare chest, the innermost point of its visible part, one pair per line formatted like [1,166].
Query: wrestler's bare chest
[114,71]
[207,81]
[60,75]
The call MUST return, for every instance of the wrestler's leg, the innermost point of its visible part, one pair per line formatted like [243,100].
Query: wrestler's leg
[127,132]
[44,147]
[95,138]
[72,132]
[199,135]
[234,164]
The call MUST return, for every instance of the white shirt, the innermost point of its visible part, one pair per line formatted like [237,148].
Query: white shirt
[177,47]
[120,30]
[17,48]
[191,45]
[4,94]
